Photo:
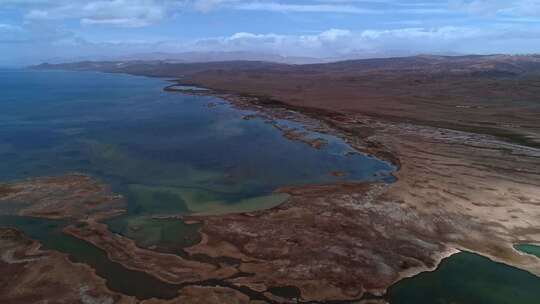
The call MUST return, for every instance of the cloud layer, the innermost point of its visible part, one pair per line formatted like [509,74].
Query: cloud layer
[37,30]
[137,13]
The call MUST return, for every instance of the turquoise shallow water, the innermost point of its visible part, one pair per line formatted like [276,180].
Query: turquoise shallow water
[528,248]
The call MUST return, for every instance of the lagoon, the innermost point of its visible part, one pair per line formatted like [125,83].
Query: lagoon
[467,278]
[529,249]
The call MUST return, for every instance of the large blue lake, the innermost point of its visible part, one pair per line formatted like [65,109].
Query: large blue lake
[167,153]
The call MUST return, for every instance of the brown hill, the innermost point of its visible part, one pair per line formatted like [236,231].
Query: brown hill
[495,94]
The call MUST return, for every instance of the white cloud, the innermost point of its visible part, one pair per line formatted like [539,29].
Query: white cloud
[138,13]
[10,33]
[449,34]
[369,43]
[334,34]
[343,6]
[8,27]
[208,5]
[445,33]
[32,33]
[333,43]
[304,8]
[130,13]
[494,8]
[340,42]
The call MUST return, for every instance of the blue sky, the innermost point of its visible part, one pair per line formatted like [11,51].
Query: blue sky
[38,30]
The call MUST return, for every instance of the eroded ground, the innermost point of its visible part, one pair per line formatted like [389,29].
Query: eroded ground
[71,196]
[454,190]
[31,275]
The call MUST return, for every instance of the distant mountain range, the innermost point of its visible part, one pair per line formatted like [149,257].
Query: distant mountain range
[174,66]
[191,57]
[219,56]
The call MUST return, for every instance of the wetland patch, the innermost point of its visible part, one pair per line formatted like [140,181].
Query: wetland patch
[119,278]
[166,153]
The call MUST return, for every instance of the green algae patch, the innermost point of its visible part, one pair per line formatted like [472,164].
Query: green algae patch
[170,201]
[243,205]
[169,235]
[145,200]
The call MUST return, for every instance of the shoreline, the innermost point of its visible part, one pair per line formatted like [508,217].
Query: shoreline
[443,200]
[271,109]
[374,150]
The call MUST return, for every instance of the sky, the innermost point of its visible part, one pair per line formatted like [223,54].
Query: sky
[33,31]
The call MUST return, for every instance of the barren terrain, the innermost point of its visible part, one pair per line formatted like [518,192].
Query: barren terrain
[463,133]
